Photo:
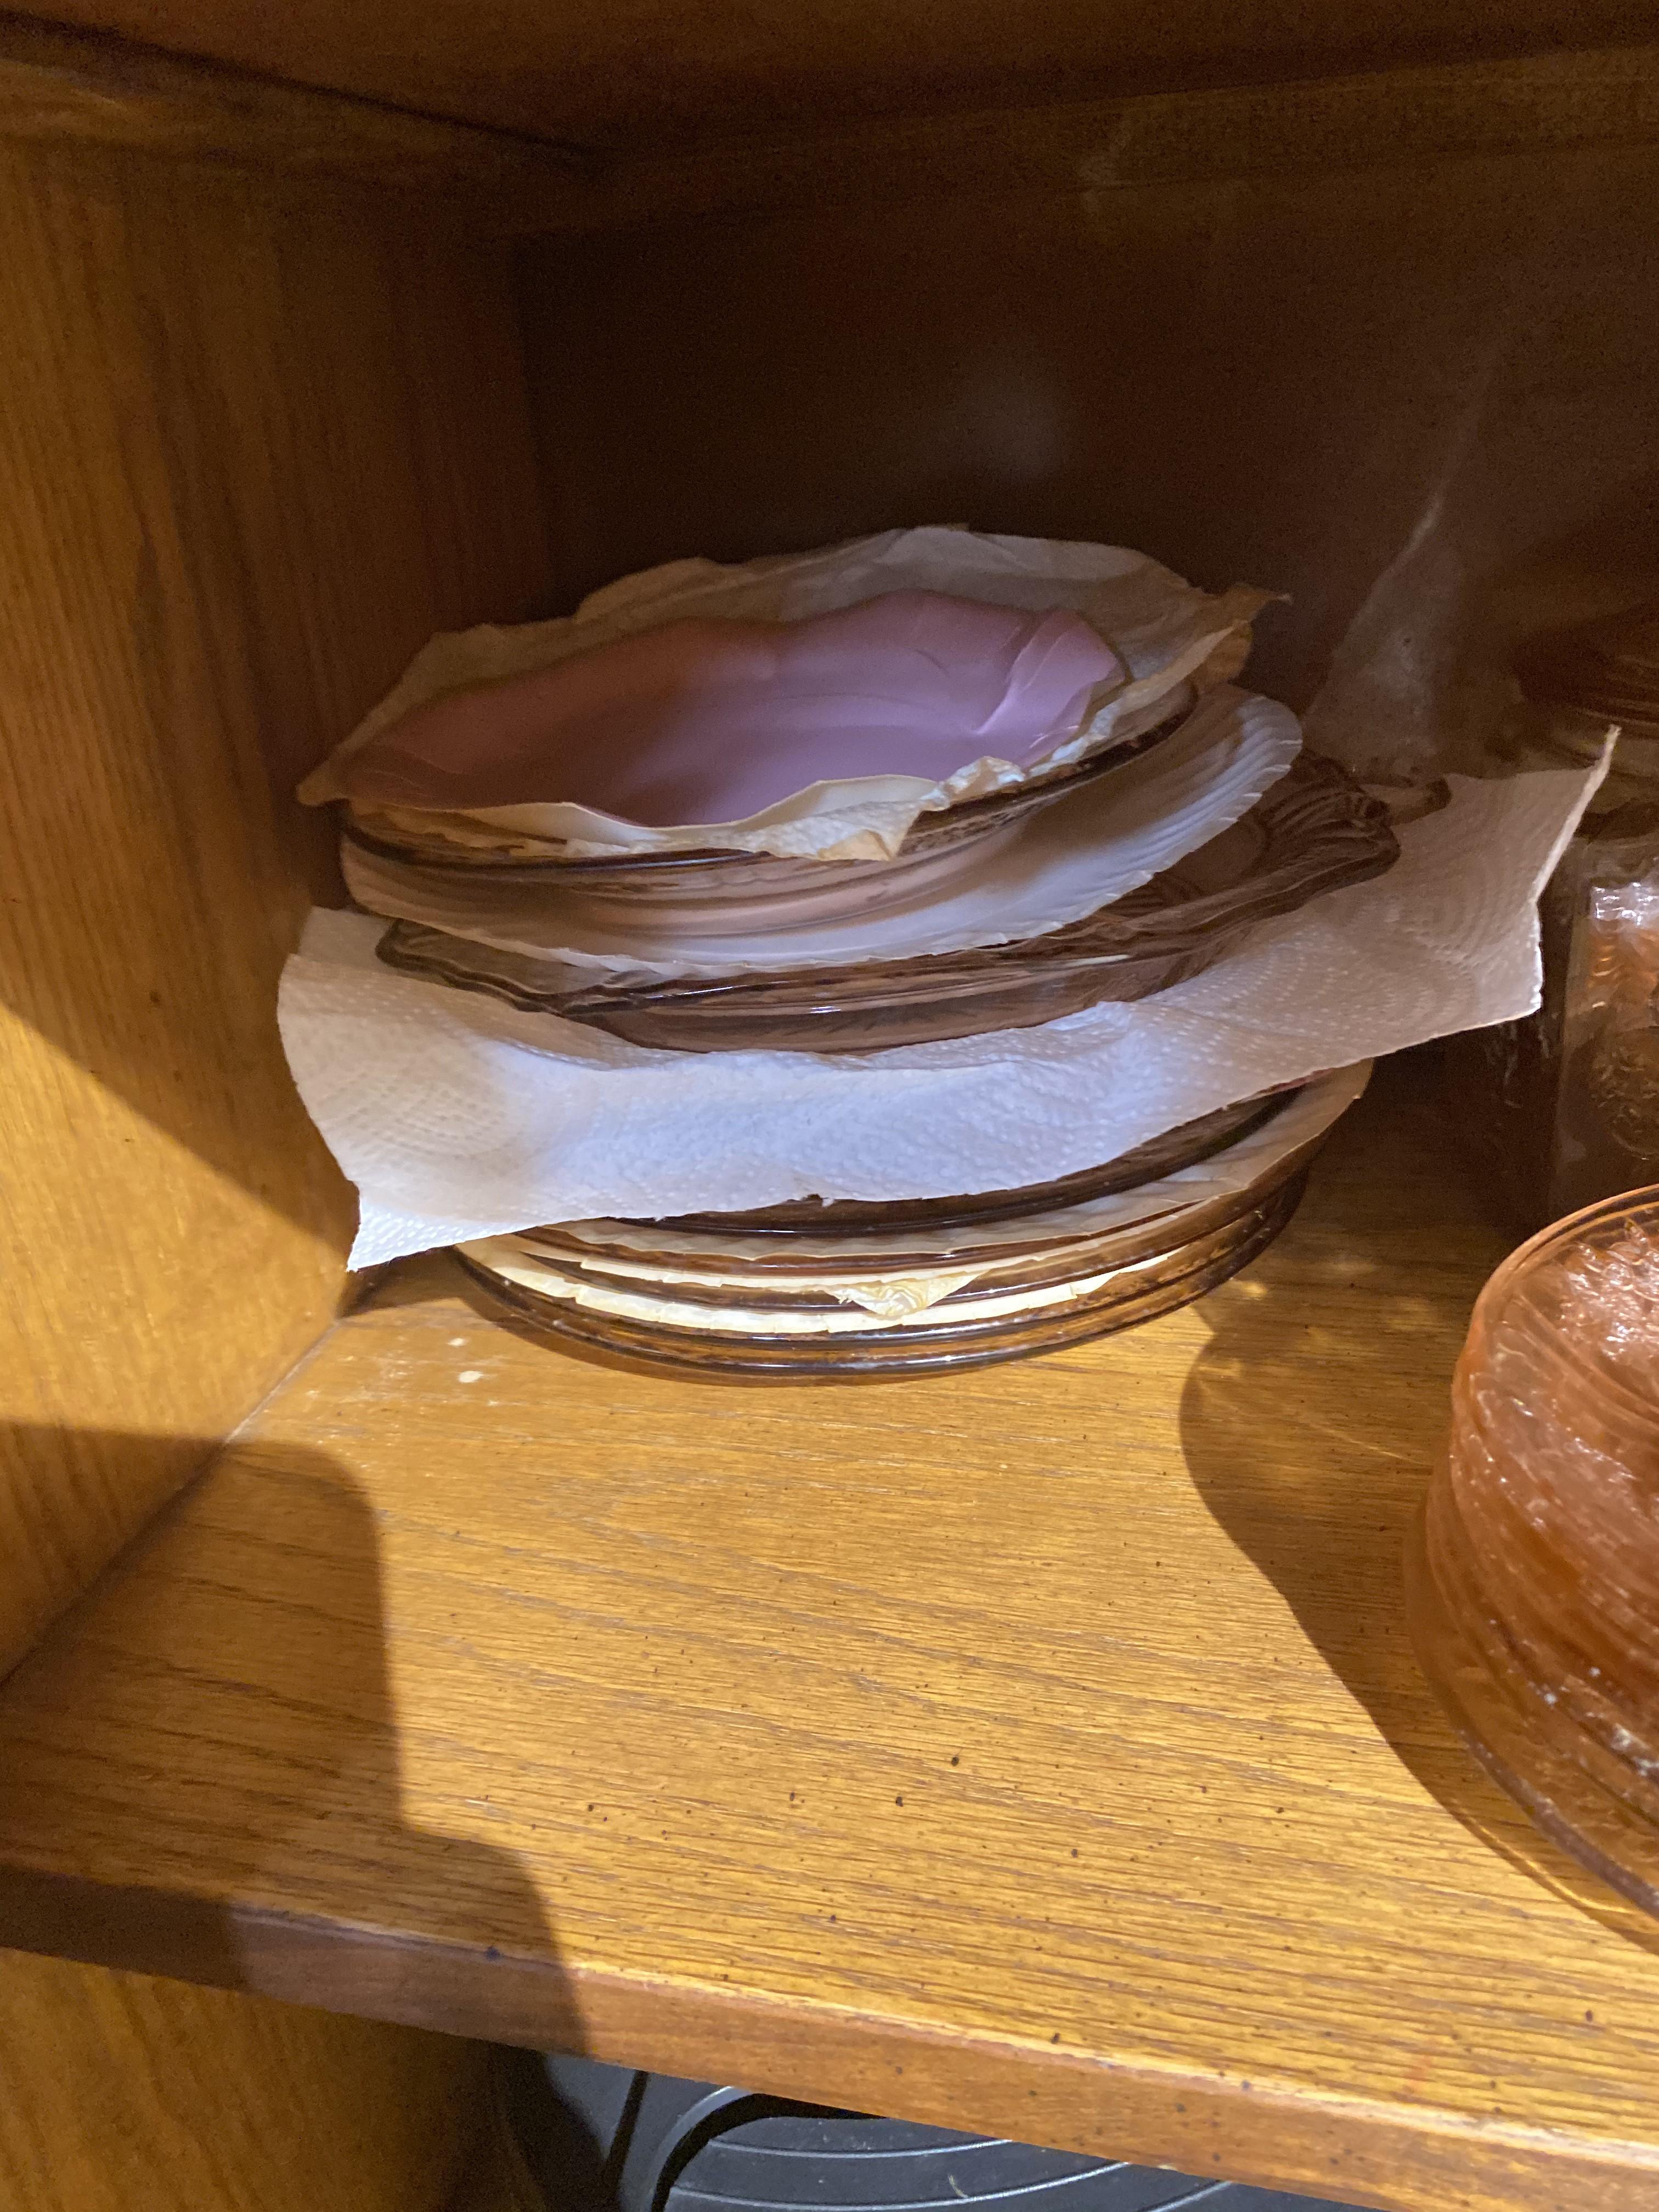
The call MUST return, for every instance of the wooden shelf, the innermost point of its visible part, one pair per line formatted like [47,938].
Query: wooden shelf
[1038,1751]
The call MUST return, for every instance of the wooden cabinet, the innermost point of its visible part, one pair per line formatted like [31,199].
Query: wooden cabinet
[1039,1751]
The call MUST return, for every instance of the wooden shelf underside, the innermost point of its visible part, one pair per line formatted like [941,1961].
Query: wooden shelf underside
[1037,1751]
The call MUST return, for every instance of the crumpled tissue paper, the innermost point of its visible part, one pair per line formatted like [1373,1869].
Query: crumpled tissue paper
[1165,631]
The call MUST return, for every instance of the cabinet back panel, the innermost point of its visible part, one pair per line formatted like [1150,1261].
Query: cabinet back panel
[255,444]
[1378,389]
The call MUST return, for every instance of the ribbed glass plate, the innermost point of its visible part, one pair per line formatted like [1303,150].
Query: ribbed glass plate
[1312,831]
[956,1333]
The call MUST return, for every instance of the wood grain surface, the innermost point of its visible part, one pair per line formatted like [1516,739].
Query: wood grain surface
[639,72]
[1037,1751]
[254,447]
[1068,148]
[67,85]
[120,2093]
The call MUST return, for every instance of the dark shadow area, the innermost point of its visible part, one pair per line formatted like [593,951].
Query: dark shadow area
[1311,1420]
[136,1474]
[1370,390]
[200,1775]
[595,2138]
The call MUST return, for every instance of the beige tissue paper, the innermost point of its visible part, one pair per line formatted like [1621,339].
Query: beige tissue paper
[459,1118]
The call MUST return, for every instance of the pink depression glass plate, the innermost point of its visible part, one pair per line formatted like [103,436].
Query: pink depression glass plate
[1315,831]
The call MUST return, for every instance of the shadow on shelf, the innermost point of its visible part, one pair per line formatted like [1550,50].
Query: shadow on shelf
[200,1775]
[1311,1424]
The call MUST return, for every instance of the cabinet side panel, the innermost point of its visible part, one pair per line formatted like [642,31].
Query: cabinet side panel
[255,443]
[122,2092]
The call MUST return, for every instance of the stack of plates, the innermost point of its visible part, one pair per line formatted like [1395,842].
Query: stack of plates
[695,886]
[839,1291]
[1134,872]
[1174,815]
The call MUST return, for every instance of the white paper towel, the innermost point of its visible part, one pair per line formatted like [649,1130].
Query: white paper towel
[863,1265]
[459,1118]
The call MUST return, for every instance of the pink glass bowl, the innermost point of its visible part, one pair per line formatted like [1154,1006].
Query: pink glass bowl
[1533,1582]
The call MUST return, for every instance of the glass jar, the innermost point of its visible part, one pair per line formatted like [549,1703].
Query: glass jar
[1533,1581]
[1563,1105]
